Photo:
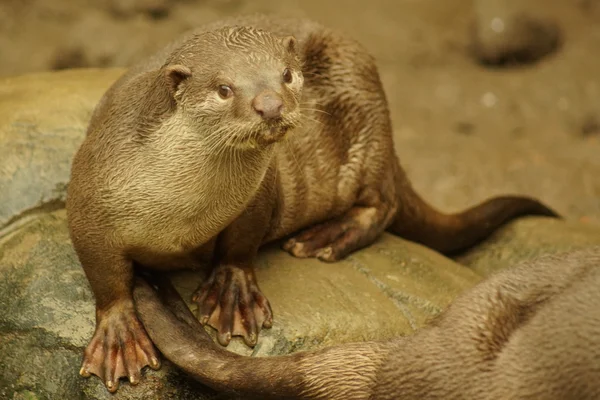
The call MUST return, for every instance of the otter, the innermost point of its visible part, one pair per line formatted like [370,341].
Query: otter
[238,134]
[529,332]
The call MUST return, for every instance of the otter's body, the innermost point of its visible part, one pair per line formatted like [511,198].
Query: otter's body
[530,332]
[229,138]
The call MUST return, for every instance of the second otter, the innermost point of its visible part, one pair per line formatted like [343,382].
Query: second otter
[185,161]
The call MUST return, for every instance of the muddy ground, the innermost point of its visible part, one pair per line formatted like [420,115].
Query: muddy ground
[533,129]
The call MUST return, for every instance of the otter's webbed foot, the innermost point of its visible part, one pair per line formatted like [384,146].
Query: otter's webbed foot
[120,348]
[335,239]
[231,302]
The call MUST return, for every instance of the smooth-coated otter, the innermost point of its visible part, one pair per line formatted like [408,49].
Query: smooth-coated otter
[529,332]
[185,162]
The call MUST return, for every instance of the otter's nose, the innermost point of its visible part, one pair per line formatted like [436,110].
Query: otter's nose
[267,104]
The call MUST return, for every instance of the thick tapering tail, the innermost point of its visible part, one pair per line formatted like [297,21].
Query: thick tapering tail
[451,233]
[340,372]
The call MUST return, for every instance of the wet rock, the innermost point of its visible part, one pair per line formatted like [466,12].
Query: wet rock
[47,317]
[47,308]
[43,118]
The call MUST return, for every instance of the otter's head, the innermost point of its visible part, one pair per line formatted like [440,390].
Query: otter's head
[239,86]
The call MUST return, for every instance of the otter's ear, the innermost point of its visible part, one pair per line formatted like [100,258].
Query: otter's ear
[290,43]
[174,75]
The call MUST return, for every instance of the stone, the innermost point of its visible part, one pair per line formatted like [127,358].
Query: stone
[43,118]
[47,307]
[526,239]
[391,288]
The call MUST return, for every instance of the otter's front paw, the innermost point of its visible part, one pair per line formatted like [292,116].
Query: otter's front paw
[231,302]
[119,348]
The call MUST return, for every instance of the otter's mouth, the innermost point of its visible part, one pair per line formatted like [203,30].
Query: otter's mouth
[272,135]
[265,137]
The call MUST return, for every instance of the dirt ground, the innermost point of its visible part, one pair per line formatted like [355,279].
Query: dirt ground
[533,129]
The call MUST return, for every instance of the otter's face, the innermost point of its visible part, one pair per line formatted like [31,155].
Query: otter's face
[241,86]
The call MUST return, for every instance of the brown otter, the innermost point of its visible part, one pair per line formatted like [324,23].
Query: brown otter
[185,161]
[530,332]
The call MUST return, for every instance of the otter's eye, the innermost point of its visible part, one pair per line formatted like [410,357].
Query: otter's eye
[287,75]
[225,92]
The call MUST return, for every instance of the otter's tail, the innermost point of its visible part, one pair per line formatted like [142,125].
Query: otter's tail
[451,233]
[339,372]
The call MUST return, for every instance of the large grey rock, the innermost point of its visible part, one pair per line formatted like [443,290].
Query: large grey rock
[43,118]
[47,308]
[391,288]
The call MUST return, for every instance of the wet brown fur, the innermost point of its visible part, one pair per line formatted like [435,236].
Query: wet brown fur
[171,176]
[530,332]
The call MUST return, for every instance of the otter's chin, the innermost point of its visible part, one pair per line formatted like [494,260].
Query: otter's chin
[272,135]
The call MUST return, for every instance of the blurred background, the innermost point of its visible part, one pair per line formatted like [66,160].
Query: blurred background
[487,96]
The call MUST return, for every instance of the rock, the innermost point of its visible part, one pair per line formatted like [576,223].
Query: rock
[43,118]
[47,308]
[526,239]
[505,34]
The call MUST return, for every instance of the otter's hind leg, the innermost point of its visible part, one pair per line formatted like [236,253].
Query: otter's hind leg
[357,228]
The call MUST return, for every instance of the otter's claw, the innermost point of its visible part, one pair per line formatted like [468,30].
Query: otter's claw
[231,302]
[120,348]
